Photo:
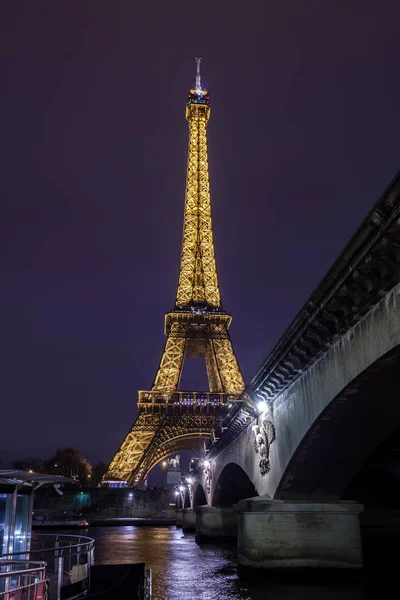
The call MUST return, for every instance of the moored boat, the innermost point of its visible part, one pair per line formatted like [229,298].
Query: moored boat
[43,520]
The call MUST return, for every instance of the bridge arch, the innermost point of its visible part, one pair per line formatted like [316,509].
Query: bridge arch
[346,433]
[233,484]
[377,484]
[199,497]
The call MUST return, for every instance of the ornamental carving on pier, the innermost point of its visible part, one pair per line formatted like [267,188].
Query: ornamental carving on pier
[264,436]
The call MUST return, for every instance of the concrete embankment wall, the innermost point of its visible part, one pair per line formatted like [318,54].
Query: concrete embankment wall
[103,503]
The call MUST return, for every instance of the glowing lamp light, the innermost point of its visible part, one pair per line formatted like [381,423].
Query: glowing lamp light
[206,464]
[130,495]
[181,488]
[262,406]
[176,493]
[189,480]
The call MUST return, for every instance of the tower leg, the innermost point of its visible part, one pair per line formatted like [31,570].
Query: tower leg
[170,369]
[213,375]
[228,367]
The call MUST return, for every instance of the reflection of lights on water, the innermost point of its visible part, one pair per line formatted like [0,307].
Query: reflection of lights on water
[206,464]
[130,495]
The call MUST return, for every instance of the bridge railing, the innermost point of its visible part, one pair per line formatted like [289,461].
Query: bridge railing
[187,398]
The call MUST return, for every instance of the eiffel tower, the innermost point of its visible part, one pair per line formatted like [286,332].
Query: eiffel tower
[171,420]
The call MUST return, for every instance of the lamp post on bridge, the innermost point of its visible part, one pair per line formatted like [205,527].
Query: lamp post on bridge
[182,494]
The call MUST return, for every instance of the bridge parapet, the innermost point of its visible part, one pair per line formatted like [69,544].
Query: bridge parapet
[365,271]
[237,418]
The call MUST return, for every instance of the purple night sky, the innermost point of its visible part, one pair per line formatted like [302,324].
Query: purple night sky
[303,138]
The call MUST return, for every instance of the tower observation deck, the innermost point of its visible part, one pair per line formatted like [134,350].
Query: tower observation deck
[169,419]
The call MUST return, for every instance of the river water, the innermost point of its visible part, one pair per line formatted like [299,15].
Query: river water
[183,570]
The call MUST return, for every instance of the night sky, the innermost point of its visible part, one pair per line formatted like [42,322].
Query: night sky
[303,138]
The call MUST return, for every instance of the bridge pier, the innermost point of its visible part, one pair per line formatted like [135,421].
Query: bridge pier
[296,536]
[215,524]
[179,517]
[188,519]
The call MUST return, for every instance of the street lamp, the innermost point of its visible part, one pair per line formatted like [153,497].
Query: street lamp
[262,406]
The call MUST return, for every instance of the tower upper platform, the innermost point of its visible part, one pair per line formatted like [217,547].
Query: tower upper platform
[197,96]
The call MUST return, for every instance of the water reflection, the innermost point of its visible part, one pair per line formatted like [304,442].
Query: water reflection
[182,570]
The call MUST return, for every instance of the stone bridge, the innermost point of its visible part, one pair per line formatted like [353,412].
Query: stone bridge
[319,406]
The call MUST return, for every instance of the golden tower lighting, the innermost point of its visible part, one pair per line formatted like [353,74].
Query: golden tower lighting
[169,419]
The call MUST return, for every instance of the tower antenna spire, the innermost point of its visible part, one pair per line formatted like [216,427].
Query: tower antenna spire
[198,76]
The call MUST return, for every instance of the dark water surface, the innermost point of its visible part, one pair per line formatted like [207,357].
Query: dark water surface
[182,570]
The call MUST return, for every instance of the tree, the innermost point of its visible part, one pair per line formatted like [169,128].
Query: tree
[97,473]
[28,464]
[70,463]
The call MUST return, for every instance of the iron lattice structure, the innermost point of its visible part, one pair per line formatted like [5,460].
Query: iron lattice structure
[170,420]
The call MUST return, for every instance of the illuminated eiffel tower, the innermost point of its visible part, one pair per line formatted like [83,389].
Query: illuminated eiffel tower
[171,420]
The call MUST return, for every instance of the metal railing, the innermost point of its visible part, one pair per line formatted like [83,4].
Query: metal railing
[60,569]
[148,584]
[68,559]
[23,580]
